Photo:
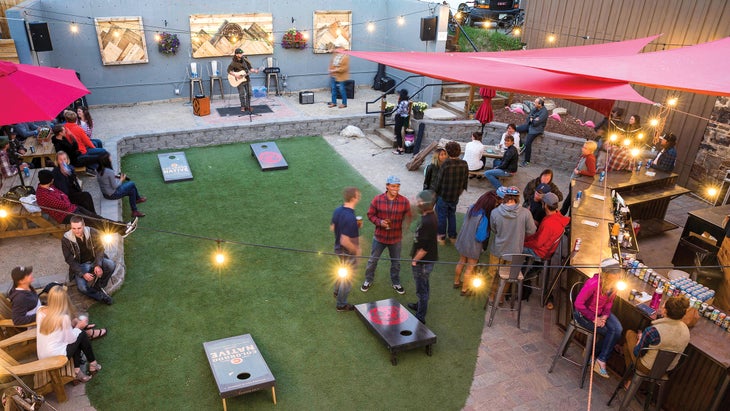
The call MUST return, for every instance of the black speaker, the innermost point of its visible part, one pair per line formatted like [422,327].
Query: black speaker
[39,37]
[428,28]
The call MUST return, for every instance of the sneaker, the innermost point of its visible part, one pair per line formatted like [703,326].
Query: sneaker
[365,286]
[441,240]
[525,164]
[399,289]
[600,370]
[141,200]
[346,307]
[413,306]
[106,299]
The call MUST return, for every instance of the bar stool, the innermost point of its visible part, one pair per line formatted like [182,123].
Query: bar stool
[574,327]
[664,362]
[195,78]
[510,273]
[272,73]
[544,276]
[214,73]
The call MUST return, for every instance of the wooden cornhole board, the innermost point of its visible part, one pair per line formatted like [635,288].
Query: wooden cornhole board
[174,167]
[238,367]
[268,156]
[396,327]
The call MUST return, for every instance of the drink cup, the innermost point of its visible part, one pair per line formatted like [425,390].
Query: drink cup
[359,221]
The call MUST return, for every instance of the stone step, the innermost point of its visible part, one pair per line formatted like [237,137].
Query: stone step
[455,88]
[383,137]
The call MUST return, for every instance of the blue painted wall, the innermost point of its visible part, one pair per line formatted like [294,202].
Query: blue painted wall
[158,79]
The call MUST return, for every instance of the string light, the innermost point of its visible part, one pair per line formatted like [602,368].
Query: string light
[620,285]
[672,101]
[3,213]
[158,37]
[551,38]
[712,192]
[343,272]
[107,238]
[654,122]
[371,27]
[516,32]
[613,137]
[219,258]
[401,20]
[477,282]
[74,27]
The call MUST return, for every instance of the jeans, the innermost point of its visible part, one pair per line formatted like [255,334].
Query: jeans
[446,213]
[97,142]
[82,344]
[244,94]
[492,175]
[528,140]
[344,285]
[399,123]
[421,272]
[338,85]
[107,267]
[377,251]
[91,158]
[611,333]
[127,189]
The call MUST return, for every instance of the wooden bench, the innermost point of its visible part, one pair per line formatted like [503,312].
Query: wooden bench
[19,222]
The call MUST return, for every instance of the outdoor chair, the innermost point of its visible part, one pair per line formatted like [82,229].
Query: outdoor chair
[575,327]
[665,362]
[214,74]
[195,77]
[509,273]
[543,276]
[271,69]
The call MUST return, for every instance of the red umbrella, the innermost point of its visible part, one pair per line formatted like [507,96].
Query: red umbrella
[485,114]
[34,93]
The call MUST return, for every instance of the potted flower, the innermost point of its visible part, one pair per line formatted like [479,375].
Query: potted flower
[169,43]
[418,108]
[293,39]
[389,107]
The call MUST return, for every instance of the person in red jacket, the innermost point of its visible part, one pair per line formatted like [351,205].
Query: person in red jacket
[89,151]
[56,204]
[543,243]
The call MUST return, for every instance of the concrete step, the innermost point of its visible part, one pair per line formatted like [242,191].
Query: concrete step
[456,108]
[383,137]
[455,88]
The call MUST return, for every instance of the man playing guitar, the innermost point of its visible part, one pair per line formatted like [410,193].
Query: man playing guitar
[238,72]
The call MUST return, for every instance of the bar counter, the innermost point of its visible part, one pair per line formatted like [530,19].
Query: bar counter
[701,382]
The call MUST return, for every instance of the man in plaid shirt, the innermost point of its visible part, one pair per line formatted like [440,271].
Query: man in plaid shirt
[668,156]
[618,157]
[388,211]
[451,182]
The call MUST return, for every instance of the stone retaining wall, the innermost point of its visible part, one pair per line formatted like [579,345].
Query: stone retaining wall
[713,157]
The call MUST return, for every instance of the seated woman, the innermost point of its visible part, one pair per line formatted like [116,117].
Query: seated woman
[84,120]
[59,332]
[474,151]
[593,307]
[114,187]
[64,178]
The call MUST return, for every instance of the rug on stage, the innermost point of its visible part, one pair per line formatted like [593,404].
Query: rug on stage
[236,111]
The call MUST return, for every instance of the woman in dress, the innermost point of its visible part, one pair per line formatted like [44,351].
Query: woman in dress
[60,333]
[466,243]
[432,170]
[114,187]
[64,179]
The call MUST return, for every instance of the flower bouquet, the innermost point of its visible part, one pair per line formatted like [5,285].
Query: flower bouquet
[169,43]
[293,39]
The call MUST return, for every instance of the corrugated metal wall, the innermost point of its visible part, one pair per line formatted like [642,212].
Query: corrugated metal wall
[682,23]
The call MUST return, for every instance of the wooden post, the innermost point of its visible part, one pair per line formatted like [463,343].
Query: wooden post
[382,111]
[469,101]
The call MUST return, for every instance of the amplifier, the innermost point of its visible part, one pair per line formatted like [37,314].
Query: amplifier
[201,106]
[306,97]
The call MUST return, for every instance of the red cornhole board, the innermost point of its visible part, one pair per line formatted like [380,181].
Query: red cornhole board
[396,327]
[268,156]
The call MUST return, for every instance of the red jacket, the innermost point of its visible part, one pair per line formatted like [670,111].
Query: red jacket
[75,131]
[54,202]
[545,240]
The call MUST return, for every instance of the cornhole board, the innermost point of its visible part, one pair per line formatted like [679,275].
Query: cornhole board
[238,367]
[174,167]
[396,327]
[268,156]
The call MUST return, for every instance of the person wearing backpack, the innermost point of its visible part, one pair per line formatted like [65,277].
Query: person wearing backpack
[473,238]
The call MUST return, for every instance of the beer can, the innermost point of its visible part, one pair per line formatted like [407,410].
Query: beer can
[647,274]
[602,176]
[715,314]
[576,247]
[632,295]
[708,312]
[703,308]
[638,165]
[726,323]
[720,319]
[32,149]
[648,164]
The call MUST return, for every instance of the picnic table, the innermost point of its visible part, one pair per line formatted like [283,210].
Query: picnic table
[45,151]
[19,222]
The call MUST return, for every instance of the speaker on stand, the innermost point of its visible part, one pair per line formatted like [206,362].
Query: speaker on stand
[428,28]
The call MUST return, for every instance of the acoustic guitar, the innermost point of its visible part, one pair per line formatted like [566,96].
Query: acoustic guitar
[234,81]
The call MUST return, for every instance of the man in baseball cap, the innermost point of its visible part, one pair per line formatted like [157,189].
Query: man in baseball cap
[238,72]
[535,204]
[24,299]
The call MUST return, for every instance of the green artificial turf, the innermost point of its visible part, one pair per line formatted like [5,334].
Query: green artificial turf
[174,298]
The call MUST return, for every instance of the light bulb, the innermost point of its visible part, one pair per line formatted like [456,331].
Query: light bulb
[401,20]
[107,238]
[712,191]
[3,213]
[654,122]
[620,285]
[671,102]
[371,27]
[74,28]
[220,258]
[613,137]
[342,272]
[551,38]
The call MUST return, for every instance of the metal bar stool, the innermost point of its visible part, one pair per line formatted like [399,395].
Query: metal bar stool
[510,273]
[195,77]
[664,362]
[214,73]
[272,73]
[574,327]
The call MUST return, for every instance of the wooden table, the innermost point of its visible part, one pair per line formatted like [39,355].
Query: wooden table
[19,222]
[46,152]
[493,152]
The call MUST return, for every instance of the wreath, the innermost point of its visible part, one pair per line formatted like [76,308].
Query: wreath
[293,39]
[169,43]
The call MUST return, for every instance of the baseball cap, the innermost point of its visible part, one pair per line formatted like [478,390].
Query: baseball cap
[542,188]
[392,180]
[426,198]
[550,199]
[21,272]
[669,137]
[238,51]
[504,190]
[610,265]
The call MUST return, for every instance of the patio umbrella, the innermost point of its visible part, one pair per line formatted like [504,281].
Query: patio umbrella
[485,114]
[34,93]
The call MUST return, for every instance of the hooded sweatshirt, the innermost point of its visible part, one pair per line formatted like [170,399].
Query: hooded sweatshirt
[509,225]
[544,241]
